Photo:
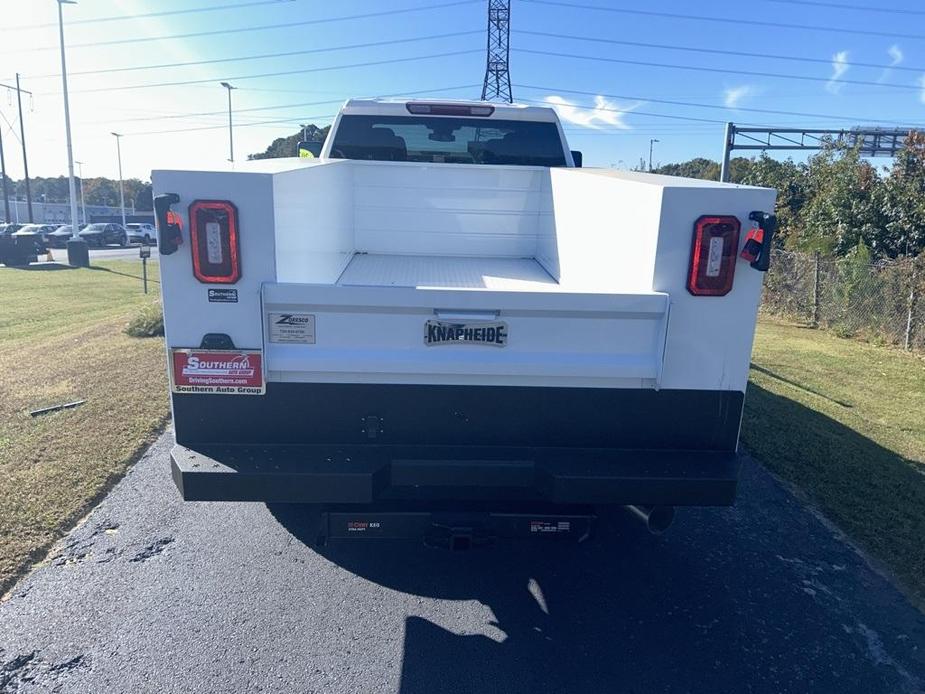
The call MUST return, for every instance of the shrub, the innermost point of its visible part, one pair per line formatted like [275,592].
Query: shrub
[148,323]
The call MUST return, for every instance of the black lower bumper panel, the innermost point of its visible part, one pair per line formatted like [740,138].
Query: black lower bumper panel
[370,474]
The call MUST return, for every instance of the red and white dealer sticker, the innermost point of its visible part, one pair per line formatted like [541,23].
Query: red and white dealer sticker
[217,371]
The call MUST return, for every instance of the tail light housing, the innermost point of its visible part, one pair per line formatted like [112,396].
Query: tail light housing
[713,255]
[437,109]
[214,238]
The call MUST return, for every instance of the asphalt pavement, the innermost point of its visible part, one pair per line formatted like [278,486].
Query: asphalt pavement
[153,595]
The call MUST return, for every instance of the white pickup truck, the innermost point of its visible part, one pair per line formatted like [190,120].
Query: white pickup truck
[443,323]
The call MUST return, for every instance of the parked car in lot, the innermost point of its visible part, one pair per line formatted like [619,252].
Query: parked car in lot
[58,238]
[104,234]
[38,233]
[141,232]
[10,228]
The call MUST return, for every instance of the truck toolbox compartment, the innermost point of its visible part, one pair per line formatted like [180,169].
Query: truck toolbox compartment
[365,474]
[603,338]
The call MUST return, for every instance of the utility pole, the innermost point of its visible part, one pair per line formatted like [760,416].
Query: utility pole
[6,193]
[22,134]
[121,190]
[78,253]
[497,83]
[651,144]
[230,131]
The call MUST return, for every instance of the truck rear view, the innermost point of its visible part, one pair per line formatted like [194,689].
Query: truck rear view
[442,316]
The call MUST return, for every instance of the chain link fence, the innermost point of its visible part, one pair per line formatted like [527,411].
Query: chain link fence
[881,302]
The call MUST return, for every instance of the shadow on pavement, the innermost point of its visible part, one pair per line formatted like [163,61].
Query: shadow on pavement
[701,609]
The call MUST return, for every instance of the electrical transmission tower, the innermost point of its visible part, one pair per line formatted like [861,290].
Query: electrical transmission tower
[497,84]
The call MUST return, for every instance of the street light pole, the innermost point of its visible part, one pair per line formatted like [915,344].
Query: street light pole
[77,252]
[121,191]
[83,204]
[230,130]
[651,143]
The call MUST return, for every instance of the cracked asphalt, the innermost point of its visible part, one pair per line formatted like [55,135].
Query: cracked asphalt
[153,595]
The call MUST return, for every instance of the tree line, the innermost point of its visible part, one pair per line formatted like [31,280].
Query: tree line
[837,203]
[97,191]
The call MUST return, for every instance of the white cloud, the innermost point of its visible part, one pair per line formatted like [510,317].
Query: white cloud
[840,66]
[603,113]
[896,57]
[732,96]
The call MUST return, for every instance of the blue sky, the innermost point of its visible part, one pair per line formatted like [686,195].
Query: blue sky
[611,109]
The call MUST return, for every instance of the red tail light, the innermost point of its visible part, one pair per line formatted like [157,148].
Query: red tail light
[214,238]
[713,256]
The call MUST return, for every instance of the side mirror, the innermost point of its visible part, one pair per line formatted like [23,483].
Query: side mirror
[310,149]
[577,158]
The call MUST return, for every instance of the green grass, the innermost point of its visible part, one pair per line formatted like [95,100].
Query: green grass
[845,422]
[62,339]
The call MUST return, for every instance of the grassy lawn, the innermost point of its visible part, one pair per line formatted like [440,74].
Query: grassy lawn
[61,340]
[845,422]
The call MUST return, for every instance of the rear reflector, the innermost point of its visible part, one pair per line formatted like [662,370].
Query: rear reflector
[449,109]
[214,238]
[713,256]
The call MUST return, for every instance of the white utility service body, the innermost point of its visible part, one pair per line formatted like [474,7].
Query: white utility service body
[411,327]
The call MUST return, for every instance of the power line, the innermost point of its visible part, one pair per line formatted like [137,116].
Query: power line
[716,51]
[845,6]
[265,27]
[302,119]
[628,111]
[211,80]
[277,121]
[739,22]
[148,15]
[689,104]
[10,127]
[695,68]
[277,107]
[262,56]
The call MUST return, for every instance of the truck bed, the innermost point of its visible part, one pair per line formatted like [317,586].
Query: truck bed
[447,272]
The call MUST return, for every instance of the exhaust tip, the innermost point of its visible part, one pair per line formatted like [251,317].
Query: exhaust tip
[657,519]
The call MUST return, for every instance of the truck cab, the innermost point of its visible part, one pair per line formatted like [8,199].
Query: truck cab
[442,313]
[450,132]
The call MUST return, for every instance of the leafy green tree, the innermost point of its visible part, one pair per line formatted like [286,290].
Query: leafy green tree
[101,191]
[790,182]
[903,202]
[287,146]
[844,203]
[699,167]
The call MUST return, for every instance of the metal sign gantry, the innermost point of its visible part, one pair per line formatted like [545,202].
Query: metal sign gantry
[871,142]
